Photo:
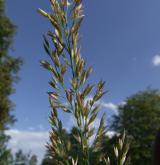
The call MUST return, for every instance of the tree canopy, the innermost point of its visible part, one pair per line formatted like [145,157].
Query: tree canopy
[21,158]
[140,117]
[9,67]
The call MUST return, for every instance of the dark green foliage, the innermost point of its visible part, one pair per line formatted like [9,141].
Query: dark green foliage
[48,160]
[5,154]
[9,67]
[140,117]
[33,160]
[75,146]
[24,159]
[115,140]
[20,158]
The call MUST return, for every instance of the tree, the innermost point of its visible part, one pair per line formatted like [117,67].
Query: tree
[140,117]
[47,160]
[9,67]
[70,97]
[5,154]
[21,158]
[33,160]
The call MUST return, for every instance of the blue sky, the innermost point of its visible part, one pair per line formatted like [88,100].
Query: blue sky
[120,38]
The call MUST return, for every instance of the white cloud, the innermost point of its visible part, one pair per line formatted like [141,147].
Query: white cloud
[110,106]
[28,141]
[156,60]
